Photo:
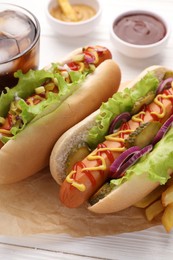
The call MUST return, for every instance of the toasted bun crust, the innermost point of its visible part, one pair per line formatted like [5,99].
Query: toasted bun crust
[30,151]
[74,136]
[128,193]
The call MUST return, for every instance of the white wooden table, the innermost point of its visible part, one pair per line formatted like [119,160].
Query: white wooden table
[153,243]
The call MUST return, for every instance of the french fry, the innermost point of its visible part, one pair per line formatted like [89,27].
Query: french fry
[154,210]
[167,196]
[167,218]
[159,201]
[68,10]
[150,198]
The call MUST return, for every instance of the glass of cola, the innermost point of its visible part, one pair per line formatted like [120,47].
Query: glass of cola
[19,43]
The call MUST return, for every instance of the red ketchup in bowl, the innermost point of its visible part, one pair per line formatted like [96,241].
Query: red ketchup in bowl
[139,28]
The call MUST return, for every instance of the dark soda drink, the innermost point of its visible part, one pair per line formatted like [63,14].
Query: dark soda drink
[19,43]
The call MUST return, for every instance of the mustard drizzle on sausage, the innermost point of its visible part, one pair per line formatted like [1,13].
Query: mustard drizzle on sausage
[75,184]
[137,117]
[157,100]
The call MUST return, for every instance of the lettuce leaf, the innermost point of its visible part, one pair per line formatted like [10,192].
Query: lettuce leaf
[26,86]
[65,90]
[120,102]
[158,163]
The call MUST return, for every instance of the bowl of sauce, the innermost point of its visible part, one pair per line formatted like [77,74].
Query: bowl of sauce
[79,18]
[140,33]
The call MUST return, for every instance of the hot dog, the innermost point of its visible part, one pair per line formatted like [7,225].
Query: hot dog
[47,102]
[121,169]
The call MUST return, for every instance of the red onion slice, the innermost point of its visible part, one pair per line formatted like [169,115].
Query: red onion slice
[122,158]
[163,130]
[89,58]
[164,85]
[125,164]
[123,117]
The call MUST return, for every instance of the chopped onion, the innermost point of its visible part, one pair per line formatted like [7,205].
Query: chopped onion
[122,158]
[163,130]
[100,49]
[164,85]
[64,67]
[89,58]
[123,117]
[16,97]
[125,164]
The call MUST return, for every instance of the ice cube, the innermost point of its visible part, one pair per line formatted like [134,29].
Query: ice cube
[8,49]
[14,24]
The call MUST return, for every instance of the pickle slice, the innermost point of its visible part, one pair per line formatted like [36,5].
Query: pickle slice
[143,135]
[168,74]
[101,193]
[76,155]
[143,101]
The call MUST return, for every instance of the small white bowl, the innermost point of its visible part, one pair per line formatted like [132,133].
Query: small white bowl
[74,29]
[135,50]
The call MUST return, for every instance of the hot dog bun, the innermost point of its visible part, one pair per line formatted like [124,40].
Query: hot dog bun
[78,133]
[124,196]
[29,152]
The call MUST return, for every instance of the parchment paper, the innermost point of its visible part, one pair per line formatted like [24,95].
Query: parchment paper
[32,207]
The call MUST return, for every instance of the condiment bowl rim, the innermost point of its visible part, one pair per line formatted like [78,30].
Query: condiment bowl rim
[141,11]
[97,14]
